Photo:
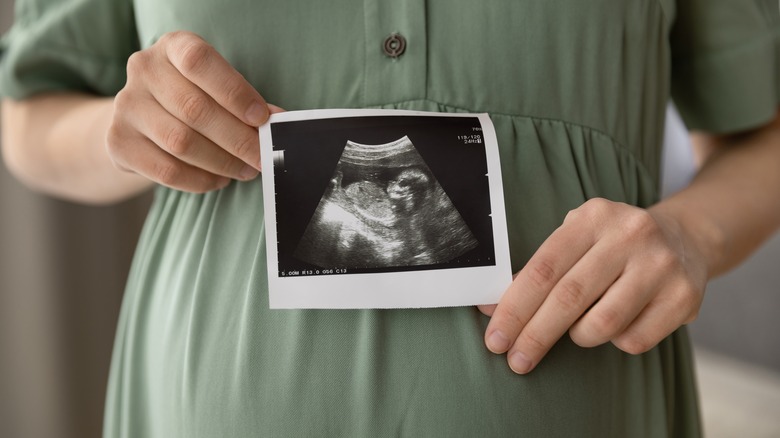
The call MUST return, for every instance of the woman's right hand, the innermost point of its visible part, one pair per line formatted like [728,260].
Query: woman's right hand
[186,118]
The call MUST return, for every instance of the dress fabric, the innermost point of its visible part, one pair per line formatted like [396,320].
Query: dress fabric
[576,91]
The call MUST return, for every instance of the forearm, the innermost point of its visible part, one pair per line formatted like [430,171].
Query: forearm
[55,144]
[733,204]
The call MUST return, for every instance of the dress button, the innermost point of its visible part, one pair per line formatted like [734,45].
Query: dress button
[394,45]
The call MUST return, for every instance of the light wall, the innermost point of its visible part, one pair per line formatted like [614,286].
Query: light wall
[62,274]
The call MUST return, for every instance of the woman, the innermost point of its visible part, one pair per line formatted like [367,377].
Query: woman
[577,92]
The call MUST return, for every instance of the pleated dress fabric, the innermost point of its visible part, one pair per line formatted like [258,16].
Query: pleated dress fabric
[577,93]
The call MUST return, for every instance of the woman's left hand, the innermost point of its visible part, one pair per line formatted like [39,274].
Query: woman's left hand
[610,273]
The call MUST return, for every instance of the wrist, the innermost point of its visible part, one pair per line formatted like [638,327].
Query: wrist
[701,238]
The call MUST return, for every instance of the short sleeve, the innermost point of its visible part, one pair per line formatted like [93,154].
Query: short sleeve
[726,63]
[76,45]
[775,25]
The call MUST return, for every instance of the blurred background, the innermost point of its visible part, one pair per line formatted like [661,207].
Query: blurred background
[62,274]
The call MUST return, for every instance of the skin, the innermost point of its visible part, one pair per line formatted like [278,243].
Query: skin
[616,273]
[610,273]
[185,119]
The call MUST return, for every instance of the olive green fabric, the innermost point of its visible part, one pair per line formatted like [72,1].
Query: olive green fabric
[577,92]
[725,74]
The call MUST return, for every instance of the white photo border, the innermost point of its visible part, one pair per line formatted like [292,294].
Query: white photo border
[407,289]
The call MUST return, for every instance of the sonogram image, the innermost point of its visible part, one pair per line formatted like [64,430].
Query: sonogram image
[383,207]
[380,194]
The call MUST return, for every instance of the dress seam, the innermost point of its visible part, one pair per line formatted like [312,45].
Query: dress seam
[618,145]
[80,55]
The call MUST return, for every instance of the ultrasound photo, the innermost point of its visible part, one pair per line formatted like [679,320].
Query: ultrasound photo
[384,207]
[386,193]
[380,194]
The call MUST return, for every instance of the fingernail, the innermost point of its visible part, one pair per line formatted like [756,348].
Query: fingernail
[497,342]
[519,363]
[247,172]
[256,114]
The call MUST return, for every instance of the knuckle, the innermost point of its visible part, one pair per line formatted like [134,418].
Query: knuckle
[533,340]
[137,64]
[168,173]
[541,273]
[233,92]
[509,319]
[666,260]
[605,323]
[592,210]
[229,166]
[571,295]
[178,141]
[640,223]
[596,206]
[194,108]
[193,54]
[245,146]
[572,215]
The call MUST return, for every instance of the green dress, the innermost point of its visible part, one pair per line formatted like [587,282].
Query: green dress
[577,91]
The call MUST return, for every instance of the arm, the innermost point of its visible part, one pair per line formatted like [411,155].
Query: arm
[56,144]
[185,119]
[734,201]
[616,273]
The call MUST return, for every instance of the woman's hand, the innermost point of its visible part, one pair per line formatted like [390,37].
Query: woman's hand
[610,273]
[186,119]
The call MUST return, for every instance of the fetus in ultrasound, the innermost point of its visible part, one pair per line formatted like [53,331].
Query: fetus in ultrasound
[383,208]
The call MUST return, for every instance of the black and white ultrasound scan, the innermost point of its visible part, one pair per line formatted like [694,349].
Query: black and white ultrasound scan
[383,209]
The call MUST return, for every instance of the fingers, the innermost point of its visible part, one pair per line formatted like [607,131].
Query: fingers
[611,272]
[199,111]
[157,165]
[178,140]
[533,284]
[664,314]
[577,290]
[203,66]
[487,309]
[275,109]
[202,115]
